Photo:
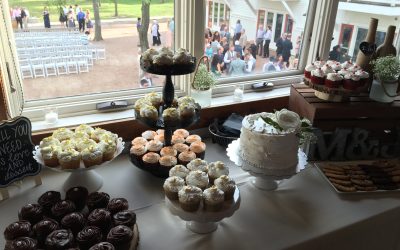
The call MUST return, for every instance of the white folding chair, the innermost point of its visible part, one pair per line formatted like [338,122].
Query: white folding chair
[61,66]
[83,65]
[101,53]
[26,69]
[49,67]
[72,66]
[38,68]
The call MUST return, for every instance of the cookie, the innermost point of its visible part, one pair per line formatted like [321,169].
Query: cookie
[359,176]
[341,182]
[356,172]
[366,188]
[395,172]
[332,168]
[396,178]
[362,182]
[389,186]
[381,180]
[338,176]
[333,171]
[351,167]
[344,188]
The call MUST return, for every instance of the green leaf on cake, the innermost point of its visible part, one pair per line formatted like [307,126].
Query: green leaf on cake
[305,125]
[272,123]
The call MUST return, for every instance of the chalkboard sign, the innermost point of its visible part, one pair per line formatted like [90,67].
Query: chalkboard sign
[367,48]
[16,157]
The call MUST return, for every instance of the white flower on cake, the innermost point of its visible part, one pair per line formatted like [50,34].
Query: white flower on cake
[288,120]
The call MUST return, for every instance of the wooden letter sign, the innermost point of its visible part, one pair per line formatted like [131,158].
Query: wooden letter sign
[16,157]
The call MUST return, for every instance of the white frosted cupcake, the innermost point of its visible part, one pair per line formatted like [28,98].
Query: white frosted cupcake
[63,134]
[69,159]
[198,164]
[96,133]
[192,138]
[172,185]
[336,66]
[177,139]
[160,138]
[181,132]
[347,65]
[198,179]
[216,170]
[79,135]
[83,128]
[190,198]
[179,170]
[180,147]
[141,103]
[327,69]
[49,141]
[319,64]
[85,143]
[213,199]
[171,116]
[108,136]
[50,155]
[154,98]
[154,146]
[139,141]
[149,112]
[308,69]
[92,155]
[333,80]
[108,148]
[168,161]
[149,134]
[227,185]
[318,77]
[186,99]
[160,131]
[168,151]
[364,76]
[138,151]
[68,144]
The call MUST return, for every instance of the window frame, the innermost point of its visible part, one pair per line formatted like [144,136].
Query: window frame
[190,17]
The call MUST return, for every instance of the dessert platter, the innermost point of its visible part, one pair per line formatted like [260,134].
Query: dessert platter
[362,177]
[150,152]
[336,82]
[82,220]
[268,147]
[201,194]
[79,152]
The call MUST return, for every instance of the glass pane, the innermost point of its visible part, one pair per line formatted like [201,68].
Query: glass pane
[221,13]
[247,49]
[215,23]
[351,27]
[62,55]
[289,24]
[210,14]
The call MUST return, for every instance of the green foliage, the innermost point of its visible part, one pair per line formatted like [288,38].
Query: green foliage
[386,68]
[203,80]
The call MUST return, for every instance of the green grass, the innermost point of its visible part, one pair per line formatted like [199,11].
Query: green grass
[126,8]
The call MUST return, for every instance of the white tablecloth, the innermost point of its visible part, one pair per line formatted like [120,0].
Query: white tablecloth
[304,213]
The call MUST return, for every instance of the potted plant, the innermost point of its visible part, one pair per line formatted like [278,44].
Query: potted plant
[203,82]
[386,79]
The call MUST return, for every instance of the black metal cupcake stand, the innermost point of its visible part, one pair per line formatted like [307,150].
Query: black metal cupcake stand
[168,95]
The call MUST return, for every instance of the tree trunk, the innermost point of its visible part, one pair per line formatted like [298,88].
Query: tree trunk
[97,25]
[115,7]
[144,42]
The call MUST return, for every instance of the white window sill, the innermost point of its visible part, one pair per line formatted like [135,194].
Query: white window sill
[119,115]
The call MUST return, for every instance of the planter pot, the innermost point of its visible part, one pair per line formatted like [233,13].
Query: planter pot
[383,91]
[202,97]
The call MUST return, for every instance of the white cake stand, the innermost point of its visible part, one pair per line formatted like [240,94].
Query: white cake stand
[201,221]
[82,176]
[262,179]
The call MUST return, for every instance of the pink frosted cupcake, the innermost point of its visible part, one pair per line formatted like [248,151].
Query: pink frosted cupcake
[318,77]
[333,80]
[308,69]
[351,81]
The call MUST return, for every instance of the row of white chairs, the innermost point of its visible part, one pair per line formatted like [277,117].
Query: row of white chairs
[46,67]
[51,49]
[43,30]
[47,43]
[96,53]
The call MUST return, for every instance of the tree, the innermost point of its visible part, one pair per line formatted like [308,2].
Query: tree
[97,21]
[115,7]
[144,42]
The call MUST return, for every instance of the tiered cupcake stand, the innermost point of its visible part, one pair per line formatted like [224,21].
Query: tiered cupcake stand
[82,176]
[168,98]
[202,221]
[263,180]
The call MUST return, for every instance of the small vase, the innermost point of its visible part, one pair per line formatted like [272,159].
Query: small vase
[377,92]
[202,97]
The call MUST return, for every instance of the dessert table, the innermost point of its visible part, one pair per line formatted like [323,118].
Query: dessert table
[303,213]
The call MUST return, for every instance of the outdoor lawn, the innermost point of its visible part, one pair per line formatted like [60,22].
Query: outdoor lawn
[126,8]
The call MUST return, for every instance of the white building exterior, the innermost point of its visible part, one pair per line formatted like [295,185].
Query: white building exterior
[289,16]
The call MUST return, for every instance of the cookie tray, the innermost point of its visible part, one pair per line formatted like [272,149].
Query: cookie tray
[379,191]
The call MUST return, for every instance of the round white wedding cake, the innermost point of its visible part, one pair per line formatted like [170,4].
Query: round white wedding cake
[270,141]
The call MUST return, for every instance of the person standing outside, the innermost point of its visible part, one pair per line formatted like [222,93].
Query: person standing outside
[81,20]
[238,66]
[260,39]
[279,45]
[287,46]
[46,18]
[24,18]
[154,32]
[18,17]
[229,57]
[171,29]
[243,38]
[138,27]
[267,39]
[238,30]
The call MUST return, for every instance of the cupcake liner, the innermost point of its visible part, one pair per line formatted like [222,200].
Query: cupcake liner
[229,194]
[108,156]
[350,84]
[307,74]
[332,84]
[52,162]
[172,195]
[190,206]
[317,80]
[92,162]
[213,207]
[201,155]
[70,164]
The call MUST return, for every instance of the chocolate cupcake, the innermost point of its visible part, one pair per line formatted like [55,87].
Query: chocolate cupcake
[117,204]
[24,243]
[62,208]
[60,239]
[48,199]
[151,160]
[180,147]
[120,237]
[125,218]
[31,212]
[139,141]
[181,132]
[138,151]
[177,139]
[43,228]
[17,229]
[74,222]
[168,151]
[100,218]
[168,161]
[78,196]
[185,157]
[149,134]
[97,200]
[199,148]
[160,138]
[88,237]
[102,246]
[192,138]
[154,146]
[190,198]
[172,185]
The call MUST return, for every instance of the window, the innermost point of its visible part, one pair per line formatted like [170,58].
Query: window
[260,52]
[351,25]
[189,19]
